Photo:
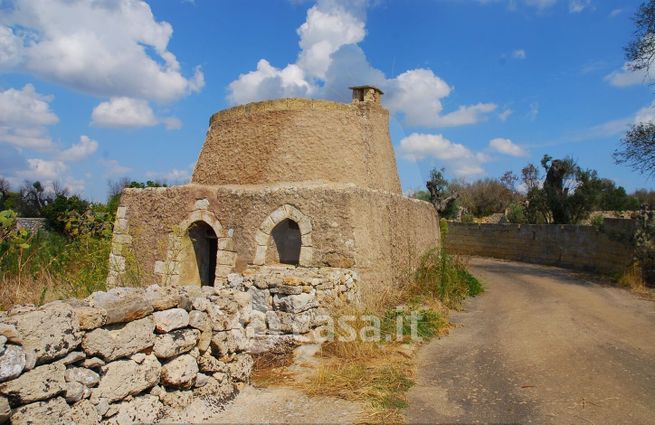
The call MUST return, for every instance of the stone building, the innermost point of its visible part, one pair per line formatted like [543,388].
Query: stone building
[307,183]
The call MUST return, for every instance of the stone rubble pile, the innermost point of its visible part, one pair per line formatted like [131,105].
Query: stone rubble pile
[126,355]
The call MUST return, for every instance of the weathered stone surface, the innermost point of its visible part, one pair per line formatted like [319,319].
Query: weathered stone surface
[51,331]
[210,364]
[204,341]
[200,303]
[220,319]
[51,412]
[84,376]
[41,383]
[12,362]
[295,303]
[84,413]
[175,343]
[74,392]
[142,410]
[126,377]
[261,299]
[201,380]
[287,290]
[90,317]
[296,323]
[215,389]
[223,344]
[122,304]
[73,357]
[241,367]
[168,320]
[176,399]
[180,372]
[161,298]
[199,320]
[5,410]
[30,358]
[93,363]
[138,357]
[121,340]
[11,333]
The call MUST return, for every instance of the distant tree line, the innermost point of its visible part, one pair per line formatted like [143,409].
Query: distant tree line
[560,191]
[56,204]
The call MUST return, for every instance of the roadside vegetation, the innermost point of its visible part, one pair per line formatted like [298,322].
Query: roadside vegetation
[68,257]
[377,367]
[559,191]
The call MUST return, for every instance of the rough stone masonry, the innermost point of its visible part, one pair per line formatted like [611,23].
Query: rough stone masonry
[309,183]
[130,355]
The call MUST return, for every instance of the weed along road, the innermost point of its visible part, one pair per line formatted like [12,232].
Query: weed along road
[541,345]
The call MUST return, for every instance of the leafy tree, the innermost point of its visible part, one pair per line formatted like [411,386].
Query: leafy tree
[484,197]
[644,196]
[530,177]
[441,195]
[57,211]
[638,146]
[509,180]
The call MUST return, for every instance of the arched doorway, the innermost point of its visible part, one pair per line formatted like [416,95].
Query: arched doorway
[287,239]
[199,251]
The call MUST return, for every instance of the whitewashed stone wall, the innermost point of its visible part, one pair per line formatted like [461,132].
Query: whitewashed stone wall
[126,355]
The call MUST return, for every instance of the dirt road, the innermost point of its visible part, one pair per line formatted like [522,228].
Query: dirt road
[540,346]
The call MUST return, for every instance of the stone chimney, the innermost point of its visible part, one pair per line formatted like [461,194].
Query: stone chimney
[366,94]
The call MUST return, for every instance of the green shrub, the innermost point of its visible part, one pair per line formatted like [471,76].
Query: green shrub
[597,220]
[468,218]
[445,278]
[516,213]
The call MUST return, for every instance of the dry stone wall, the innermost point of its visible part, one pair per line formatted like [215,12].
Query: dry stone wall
[127,355]
[604,250]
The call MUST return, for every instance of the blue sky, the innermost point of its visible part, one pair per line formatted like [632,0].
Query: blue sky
[93,91]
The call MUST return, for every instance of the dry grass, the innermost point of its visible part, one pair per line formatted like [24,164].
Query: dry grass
[632,279]
[380,380]
[29,289]
[270,368]
[379,374]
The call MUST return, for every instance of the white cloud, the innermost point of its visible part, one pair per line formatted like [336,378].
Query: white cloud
[114,168]
[541,4]
[330,60]
[123,112]
[268,82]
[507,147]
[79,151]
[625,77]
[175,176]
[577,6]
[646,114]
[126,112]
[24,115]
[465,115]
[107,48]
[328,26]
[10,48]
[41,169]
[533,112]
[519,54]
[417,147]
[462,161]
[505,114]
[172,123]
[615,12]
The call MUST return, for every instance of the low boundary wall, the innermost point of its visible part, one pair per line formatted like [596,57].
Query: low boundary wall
[130,355]
[607,249]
